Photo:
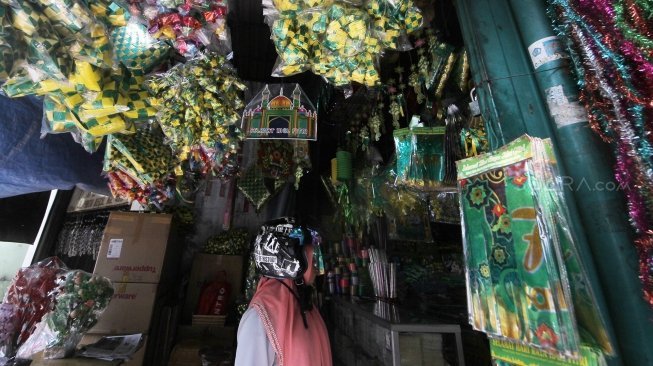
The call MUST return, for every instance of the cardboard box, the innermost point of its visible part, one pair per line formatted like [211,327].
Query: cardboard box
[137,358]
[135,248]
[206,268]
[130,310]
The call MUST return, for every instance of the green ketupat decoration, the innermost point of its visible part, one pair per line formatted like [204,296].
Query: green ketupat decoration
[199,104]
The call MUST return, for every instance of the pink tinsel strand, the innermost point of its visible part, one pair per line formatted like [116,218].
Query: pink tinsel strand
[636,206]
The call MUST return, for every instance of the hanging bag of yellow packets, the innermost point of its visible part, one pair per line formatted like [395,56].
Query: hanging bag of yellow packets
[393,21]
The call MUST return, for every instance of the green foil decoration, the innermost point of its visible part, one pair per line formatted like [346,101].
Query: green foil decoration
[420,157]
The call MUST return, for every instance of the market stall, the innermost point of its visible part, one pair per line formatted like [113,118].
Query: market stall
[429,175]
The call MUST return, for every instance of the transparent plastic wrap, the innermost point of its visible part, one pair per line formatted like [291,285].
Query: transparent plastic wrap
[406,211]
[146,153]
[7,44]
[136,48]
[124,185]
[28,298]
[9,327]
[80,298]
[114,13]
[393,20]
[253,186]
[519,283]
[442,60]
[192,27]
[101,103]
[346,31]
[420,157]
[443,207]
[199,103]
[290,8]
[552,208]
[294,45]
[55,35]
[342,71]
[139,167]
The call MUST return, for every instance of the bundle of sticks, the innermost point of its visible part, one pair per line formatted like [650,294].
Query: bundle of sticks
[383,274]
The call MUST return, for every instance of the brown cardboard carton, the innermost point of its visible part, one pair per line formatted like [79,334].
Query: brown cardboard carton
[206,268]
[130,310]
[135,248]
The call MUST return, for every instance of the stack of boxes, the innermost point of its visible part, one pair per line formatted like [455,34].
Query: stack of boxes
[137,255]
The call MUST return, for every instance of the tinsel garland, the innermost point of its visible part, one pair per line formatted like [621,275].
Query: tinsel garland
[611,47]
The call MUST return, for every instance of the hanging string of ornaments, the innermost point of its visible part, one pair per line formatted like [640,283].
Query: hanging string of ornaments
[611,46]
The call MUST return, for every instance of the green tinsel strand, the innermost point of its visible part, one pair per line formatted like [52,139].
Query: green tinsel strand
[627,31]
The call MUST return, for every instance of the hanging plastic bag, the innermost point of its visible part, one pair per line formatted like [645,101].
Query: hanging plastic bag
[420,157]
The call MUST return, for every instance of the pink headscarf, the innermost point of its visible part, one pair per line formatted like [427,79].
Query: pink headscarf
[280,314]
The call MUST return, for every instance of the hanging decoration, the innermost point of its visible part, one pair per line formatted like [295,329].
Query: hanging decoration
[611,47]
[252,185]
[271,114]
[191,26]
[301,159]
[198,103]
[72,58]
[420,155]
[230,242]
[520,286]
[81,234]
[139,165]
[339,41]
[275,159]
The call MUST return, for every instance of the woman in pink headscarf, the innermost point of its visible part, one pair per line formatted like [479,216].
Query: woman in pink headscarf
[281,327]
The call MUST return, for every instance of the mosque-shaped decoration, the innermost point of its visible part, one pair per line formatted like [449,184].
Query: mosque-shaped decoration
[280,117]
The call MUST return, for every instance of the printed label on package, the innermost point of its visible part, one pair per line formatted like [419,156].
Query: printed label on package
[115,247]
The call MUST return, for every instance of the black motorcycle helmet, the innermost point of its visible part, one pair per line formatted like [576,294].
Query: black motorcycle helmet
[278,249]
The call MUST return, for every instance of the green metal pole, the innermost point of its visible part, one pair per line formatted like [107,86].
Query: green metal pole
[602,209]
[504,83]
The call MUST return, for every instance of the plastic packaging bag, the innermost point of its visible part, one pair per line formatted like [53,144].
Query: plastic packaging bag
[191,27]
[30,293]
[199,103]
[420,157]
[393,21]
[80,299]
[9,327]
[523,270]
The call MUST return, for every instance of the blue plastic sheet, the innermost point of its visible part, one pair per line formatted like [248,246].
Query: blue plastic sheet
[29,163]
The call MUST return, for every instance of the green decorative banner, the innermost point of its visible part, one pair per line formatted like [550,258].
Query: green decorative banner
[522,355]
[514,152]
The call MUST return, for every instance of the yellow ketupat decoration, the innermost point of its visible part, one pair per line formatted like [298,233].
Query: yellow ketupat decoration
[111,12]
[199,103]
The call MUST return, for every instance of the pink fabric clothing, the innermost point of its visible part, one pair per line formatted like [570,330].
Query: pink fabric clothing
[293,343]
